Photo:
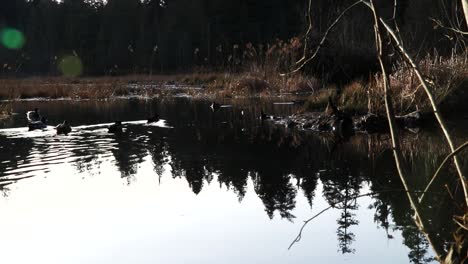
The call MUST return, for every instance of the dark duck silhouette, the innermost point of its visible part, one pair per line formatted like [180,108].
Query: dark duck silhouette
[33,116]
[341,122]
[214,106]
[153,119]
[38,124]
[63,128]
[263,116]
[116,127]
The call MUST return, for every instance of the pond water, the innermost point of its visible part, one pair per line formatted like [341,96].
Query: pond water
[208,187]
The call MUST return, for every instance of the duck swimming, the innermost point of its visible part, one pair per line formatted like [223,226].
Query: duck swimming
[153,119]
[33,116]
[214,106]
[116,127]
[37,124]
[63,128]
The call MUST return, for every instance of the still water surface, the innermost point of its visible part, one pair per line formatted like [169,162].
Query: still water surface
[202,187]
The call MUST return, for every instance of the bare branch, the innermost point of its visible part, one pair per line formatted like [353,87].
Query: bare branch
[307,33]
[439,24]
[435,108]
[299,236]
[303,61]
[419,221]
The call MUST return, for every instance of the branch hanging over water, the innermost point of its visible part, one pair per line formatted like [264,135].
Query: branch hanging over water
[299,236]
[435,109]
[460,148]
[419,220]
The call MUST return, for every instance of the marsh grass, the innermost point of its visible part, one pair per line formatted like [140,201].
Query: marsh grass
[255,71]
[319,100]
[4,111]
[355,96]
[54,88]
[448,79]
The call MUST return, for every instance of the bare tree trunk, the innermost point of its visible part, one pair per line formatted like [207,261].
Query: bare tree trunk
[465,10]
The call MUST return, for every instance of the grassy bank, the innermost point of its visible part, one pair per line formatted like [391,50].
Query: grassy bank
[220,84]
[448,78]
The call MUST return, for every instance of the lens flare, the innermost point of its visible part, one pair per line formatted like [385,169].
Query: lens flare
[71,66]
[12,38]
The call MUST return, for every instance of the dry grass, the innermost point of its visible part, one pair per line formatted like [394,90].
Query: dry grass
[260,77]
[302,84]
[355,96]
[446,77]
[319,100]
[60,88]
[3,113]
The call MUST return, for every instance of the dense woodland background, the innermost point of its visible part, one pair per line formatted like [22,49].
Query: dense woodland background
[155,36]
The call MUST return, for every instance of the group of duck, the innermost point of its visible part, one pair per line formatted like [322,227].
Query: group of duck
[36,121]
[340,120]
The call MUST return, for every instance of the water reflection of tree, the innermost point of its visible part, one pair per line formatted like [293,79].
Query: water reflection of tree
[391,204]
[340,188]
[129,152]
[158,150]
[14,153]
[188,159]
[277,194]
[418,245]
[4,190]
[87,153]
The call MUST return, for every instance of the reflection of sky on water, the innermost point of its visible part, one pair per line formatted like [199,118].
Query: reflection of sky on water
[66,217]
[203,186]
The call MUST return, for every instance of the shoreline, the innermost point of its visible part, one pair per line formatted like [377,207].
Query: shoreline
[356,98]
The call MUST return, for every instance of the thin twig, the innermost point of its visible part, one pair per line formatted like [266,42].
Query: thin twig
[439,24]
[304,61]
[299,235]
[460,224]
[307,33]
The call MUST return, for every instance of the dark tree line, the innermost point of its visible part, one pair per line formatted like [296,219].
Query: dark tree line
[153,36]
[126,36]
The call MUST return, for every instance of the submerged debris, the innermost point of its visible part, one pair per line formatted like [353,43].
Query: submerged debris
[341,124]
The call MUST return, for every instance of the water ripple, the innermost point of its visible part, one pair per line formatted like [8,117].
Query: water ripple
[26,153]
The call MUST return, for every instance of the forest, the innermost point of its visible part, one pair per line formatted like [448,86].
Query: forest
[118,37]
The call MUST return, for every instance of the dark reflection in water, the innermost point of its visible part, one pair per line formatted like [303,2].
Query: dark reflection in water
[198,143]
